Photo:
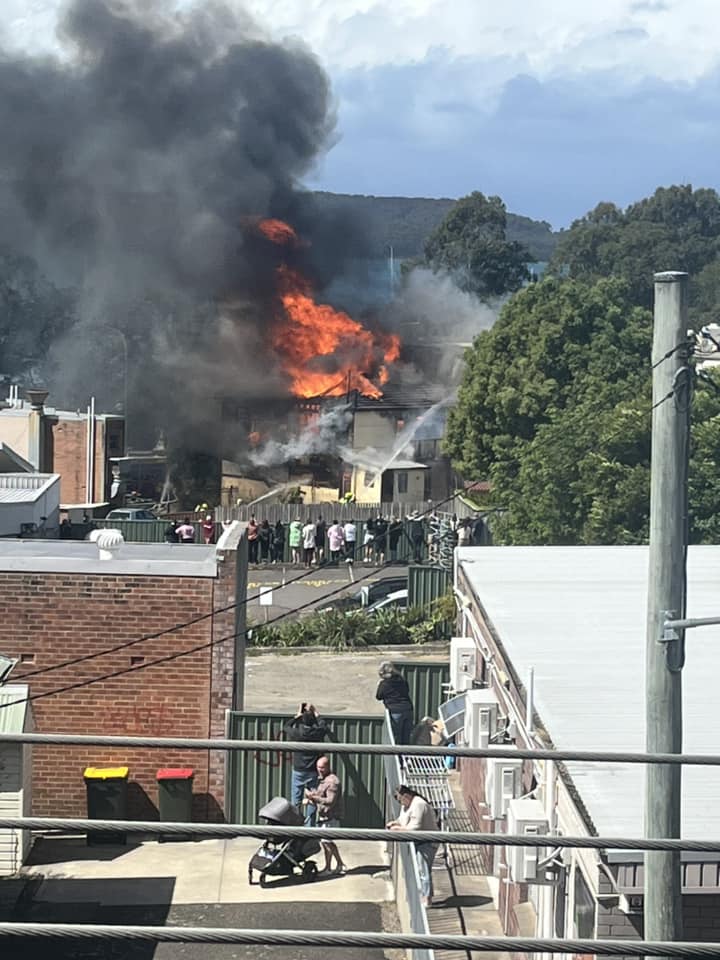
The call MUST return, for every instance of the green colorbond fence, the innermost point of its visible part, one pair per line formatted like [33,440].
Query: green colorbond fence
[253,778]
[425,680]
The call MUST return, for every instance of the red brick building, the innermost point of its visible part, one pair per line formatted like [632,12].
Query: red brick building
[61,603]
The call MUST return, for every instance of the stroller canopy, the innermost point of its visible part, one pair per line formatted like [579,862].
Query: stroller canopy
[281,811]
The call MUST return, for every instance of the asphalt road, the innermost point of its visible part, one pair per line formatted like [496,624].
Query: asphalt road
[271,916]
[312,588]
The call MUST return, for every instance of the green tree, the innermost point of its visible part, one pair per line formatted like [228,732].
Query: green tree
[677,228]
[554,411]
[471,244]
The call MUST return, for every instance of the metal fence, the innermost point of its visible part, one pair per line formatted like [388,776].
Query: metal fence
[403,862]
[253,778]
[330,510]
[426,684]
[427,584]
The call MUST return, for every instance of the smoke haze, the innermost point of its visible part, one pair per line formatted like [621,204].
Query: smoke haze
[132,170]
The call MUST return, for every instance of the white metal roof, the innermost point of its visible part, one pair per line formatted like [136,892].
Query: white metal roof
[25,487]
[577,616]
[82,556]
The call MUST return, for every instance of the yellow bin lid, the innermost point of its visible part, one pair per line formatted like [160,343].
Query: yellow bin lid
[105,773]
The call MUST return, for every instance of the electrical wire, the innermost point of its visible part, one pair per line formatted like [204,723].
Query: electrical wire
[31,698]
[199,619]
[324,939]
[159,633]
[687,344]
[668,396]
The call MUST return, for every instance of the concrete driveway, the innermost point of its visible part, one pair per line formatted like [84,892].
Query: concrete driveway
[202,883]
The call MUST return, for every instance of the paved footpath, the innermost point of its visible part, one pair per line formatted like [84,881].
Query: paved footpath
[201,883]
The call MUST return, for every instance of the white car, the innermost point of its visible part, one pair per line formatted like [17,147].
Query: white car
[393,601]
[131,513]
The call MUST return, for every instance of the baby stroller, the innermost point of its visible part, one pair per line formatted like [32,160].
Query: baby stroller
[281,858]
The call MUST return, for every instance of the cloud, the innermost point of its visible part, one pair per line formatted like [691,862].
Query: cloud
[551,148]
[554,107]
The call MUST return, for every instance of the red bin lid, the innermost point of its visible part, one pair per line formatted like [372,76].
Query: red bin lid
[175,773]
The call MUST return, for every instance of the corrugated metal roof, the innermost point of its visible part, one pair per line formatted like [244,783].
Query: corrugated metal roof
[25,487]
[12,719]
[577,616]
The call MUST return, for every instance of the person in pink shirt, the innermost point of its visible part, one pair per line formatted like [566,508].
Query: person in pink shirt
[336,541]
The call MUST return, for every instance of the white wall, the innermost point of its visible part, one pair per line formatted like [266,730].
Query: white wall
[12,515]
[11,805]
[15,432]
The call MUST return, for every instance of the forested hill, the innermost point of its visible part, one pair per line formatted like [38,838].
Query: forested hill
[406,222]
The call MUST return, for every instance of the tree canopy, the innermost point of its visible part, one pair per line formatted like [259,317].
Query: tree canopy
[554,410]
[471,245]
[677,228]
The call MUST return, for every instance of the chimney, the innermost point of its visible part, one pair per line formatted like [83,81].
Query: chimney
[36,429]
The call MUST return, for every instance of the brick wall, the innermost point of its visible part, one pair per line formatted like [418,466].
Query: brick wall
[69,445]
[50,618]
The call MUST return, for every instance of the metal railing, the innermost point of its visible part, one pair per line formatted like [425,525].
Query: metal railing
[403,861]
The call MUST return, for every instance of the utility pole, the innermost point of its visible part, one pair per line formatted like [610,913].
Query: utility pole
[666,598]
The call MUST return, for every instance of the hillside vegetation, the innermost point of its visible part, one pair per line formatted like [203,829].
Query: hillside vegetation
[406,222]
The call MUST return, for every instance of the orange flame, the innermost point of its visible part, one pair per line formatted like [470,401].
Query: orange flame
[324,351]
[277,230]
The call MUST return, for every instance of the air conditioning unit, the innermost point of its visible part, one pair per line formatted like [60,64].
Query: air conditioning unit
[481,718]
[463,662]
[525,817]
[503,783]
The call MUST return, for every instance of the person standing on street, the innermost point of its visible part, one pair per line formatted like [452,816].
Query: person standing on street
[208,529]
[309,536]
[417,814]
[328,799]
[350,533]
[186,531]
[394,692]
[320,533]
[265,540]
[336,541]
[394,533]
[305,727]
[278,542]
[295,539]
[417,536]
[252,537]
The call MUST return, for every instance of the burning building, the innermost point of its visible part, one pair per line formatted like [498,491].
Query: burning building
[194,260]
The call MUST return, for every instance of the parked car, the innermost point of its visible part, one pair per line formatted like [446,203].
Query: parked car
[393,601]
[367,595]
[131,513]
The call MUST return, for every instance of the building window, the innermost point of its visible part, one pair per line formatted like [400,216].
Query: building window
[402,481]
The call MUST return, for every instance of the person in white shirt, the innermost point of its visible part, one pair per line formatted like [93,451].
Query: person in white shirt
[417,814]
[350,531]
[309,532]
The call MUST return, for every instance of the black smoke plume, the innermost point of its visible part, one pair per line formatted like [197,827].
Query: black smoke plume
[132,168]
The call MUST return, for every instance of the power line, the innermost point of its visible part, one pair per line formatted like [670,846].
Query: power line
[174,656]
[324,939]
[359,834]
[508,751]
[159,633]
[199,619]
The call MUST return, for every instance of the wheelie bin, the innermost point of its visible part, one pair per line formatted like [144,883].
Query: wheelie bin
[175,798]
[107,799]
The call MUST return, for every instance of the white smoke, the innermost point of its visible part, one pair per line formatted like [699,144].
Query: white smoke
[323,435]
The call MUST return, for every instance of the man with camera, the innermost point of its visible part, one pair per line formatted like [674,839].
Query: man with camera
[305,727]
